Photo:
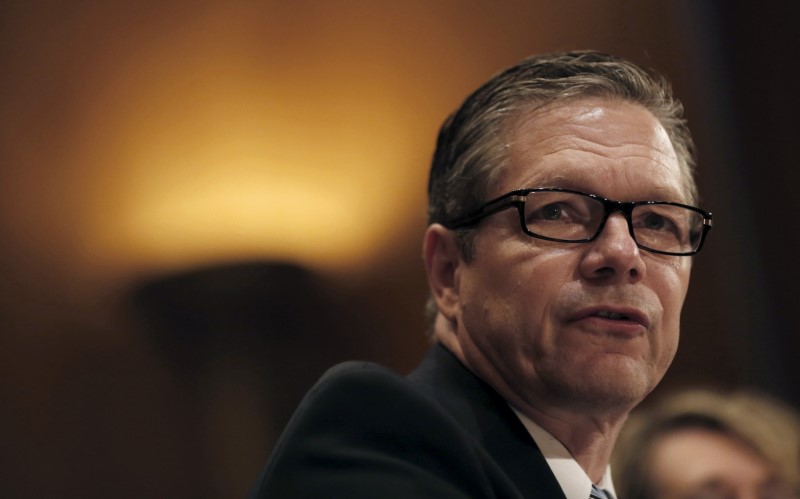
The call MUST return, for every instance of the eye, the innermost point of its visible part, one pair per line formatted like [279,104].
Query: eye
[658,219]
[562,212]
[654,221]
[562,215]
[552,211]
[560,208]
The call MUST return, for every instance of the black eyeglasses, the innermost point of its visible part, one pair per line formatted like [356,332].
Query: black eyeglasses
[576,217]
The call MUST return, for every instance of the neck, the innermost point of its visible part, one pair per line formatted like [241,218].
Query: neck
[589,440]
[588,432]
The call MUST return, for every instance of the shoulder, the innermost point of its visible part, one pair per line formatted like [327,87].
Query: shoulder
[366,431]
[366,404]
[360,390]
[353,379]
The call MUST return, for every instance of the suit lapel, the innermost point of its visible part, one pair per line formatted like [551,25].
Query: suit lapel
[481,412]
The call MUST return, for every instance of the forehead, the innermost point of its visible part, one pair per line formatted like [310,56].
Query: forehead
[607,147]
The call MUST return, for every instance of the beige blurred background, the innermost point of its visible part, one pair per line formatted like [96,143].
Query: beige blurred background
[203,205]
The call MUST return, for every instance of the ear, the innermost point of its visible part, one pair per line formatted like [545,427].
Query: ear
[442,261]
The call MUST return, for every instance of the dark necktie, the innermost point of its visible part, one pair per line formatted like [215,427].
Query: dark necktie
[598,493]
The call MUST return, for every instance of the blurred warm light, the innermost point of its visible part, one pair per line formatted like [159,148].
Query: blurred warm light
[162,136]
[204,147]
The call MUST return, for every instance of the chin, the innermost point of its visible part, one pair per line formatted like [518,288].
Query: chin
[620,386]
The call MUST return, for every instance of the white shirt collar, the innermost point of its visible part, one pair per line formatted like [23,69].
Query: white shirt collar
[575,483]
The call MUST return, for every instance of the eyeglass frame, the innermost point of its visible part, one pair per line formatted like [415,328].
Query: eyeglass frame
[516,199]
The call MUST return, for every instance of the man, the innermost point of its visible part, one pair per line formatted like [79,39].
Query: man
[706,443]
[558,256]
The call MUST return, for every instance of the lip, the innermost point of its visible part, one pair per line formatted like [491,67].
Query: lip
[632,320]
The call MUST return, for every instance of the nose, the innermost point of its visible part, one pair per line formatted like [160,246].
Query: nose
[613,255]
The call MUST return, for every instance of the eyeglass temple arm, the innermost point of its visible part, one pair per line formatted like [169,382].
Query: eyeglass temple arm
[489,208]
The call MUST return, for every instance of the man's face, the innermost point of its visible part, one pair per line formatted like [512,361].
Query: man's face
[565,324]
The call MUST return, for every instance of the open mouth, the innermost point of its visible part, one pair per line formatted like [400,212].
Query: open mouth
[620,316]
[613,315]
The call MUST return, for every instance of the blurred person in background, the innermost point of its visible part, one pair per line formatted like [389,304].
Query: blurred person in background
[708,444]
[562,225]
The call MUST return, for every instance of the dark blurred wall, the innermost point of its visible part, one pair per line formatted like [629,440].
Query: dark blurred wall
[758,53]
[739,101]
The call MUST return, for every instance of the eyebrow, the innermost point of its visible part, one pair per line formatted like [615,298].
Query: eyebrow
[561,181]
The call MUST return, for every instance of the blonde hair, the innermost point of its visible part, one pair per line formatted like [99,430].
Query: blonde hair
[767,425]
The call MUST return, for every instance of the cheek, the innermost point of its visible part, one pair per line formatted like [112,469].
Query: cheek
[672,288]
[513,295]
[539,282]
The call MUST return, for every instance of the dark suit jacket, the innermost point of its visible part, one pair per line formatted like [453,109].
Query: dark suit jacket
[365,432]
